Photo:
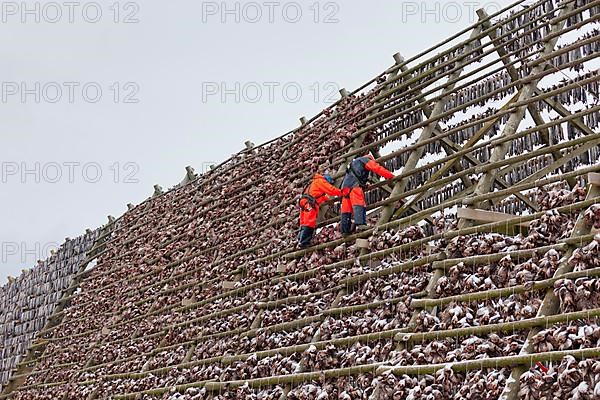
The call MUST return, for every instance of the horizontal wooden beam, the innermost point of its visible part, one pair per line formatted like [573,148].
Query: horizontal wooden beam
[503,327]
[491,363]
[502,292]
[485,216]
[517,255]
[594,178]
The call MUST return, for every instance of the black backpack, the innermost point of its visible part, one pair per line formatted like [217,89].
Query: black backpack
[312,201]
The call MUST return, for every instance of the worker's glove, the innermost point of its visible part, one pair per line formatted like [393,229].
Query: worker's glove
[346,192]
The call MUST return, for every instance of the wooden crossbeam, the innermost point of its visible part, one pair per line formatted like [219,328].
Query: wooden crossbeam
[499,179]
[594,178]
[412,206]
[485,216]
[450,163]
[563,112]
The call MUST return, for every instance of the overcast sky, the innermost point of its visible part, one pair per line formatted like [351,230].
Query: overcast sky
[102,100]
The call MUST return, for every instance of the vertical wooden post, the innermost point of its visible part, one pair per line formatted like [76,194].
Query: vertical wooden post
[499,151]
[514,75]
[415,156]
[550,304]
[158,190]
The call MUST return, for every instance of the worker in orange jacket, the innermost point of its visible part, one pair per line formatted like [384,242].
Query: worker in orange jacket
[315,194]
[357,178]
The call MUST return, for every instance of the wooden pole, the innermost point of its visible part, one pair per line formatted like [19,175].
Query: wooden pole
[550,304]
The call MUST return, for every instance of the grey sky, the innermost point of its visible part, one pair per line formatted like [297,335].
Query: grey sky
[170,61]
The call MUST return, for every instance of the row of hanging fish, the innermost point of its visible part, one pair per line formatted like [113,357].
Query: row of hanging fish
[523,171]
[461,136]
[582,92]
[481,91]
[4,375]
[27,301]
[35,325]
[434,147]
[525,43]
[6,367]
[437,68]
[376,195]
[519,32]
[595,10]
[427,74]
[579,52]
[590,157]
[534,11]
[592,119]
[524,144]
[499,82]
[438,148]
[579,16]
[483,154]
[475,119]
[16,340]
[406,120]
[9,363]
[417,179]
[575,95]
[396,163]
[12,351]
[402,94]
[557,132]
[403,122]
[43,310]
[512,205]
[442,195]
[527,169]
[54,280]
[429,68]
[20,315]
